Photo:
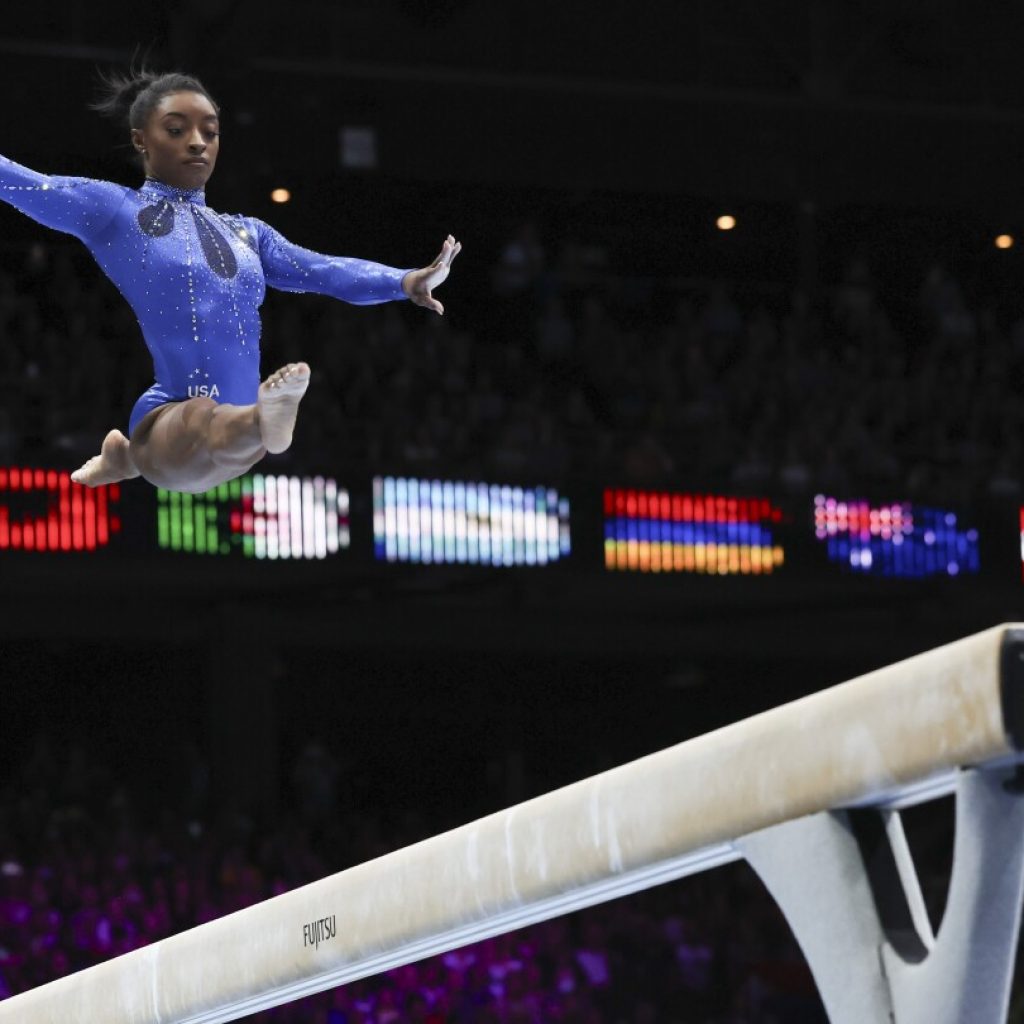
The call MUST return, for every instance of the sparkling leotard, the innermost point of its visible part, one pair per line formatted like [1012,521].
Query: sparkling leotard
[195,278]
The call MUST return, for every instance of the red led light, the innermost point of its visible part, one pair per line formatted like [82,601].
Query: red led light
[72,517]
[76,517]
[90,521]
[102,530]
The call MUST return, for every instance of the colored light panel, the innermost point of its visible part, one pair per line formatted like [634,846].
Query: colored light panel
[42,510]
[900,540]
[435,521]
[652,531]
[266,517]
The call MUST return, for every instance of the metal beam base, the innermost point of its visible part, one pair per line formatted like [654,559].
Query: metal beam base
[846,882]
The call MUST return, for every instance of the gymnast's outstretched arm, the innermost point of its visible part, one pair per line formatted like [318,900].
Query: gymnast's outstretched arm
[291,268]
[82,207]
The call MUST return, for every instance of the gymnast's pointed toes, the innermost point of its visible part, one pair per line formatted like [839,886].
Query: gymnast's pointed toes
[289,378]
[111,466]
[278,405]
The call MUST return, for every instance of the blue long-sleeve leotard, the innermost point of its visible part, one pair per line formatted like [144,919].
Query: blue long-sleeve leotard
[195,278]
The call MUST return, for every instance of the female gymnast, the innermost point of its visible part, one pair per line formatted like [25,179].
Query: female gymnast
[195,279]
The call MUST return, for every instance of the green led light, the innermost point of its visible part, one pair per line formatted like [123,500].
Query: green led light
[163,527]
[187,542]
[175,521]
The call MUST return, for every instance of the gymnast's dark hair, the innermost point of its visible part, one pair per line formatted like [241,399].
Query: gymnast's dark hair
[132,98]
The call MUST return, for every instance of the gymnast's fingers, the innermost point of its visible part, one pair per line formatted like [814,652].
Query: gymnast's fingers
[444,257]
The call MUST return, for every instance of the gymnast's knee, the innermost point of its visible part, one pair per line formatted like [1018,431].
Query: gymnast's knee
[233,442]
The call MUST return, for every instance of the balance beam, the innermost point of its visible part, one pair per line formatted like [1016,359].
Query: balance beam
[658,818]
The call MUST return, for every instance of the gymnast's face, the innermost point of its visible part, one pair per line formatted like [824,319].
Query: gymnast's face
[181,140]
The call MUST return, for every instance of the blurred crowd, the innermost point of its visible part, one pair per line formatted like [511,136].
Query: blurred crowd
[90,870]
[561,367]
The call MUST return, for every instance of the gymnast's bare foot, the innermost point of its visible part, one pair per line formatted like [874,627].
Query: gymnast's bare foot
[278,405]
[113,464]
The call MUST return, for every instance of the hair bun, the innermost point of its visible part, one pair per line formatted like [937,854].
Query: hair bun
[119,91]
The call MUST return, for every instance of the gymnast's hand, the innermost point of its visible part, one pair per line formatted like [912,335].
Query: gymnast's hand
[418,284]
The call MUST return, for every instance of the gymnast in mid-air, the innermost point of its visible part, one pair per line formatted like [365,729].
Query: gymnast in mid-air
[196,279]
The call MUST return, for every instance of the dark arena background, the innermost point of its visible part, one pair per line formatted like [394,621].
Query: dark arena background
[725,408]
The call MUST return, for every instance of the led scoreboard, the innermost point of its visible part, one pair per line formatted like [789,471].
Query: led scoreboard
[267,517]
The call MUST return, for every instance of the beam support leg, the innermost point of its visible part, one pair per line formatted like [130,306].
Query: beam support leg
[813,868]
[967,975]
[847,885]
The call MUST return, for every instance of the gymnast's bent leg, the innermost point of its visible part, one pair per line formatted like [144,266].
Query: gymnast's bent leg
[197,444]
